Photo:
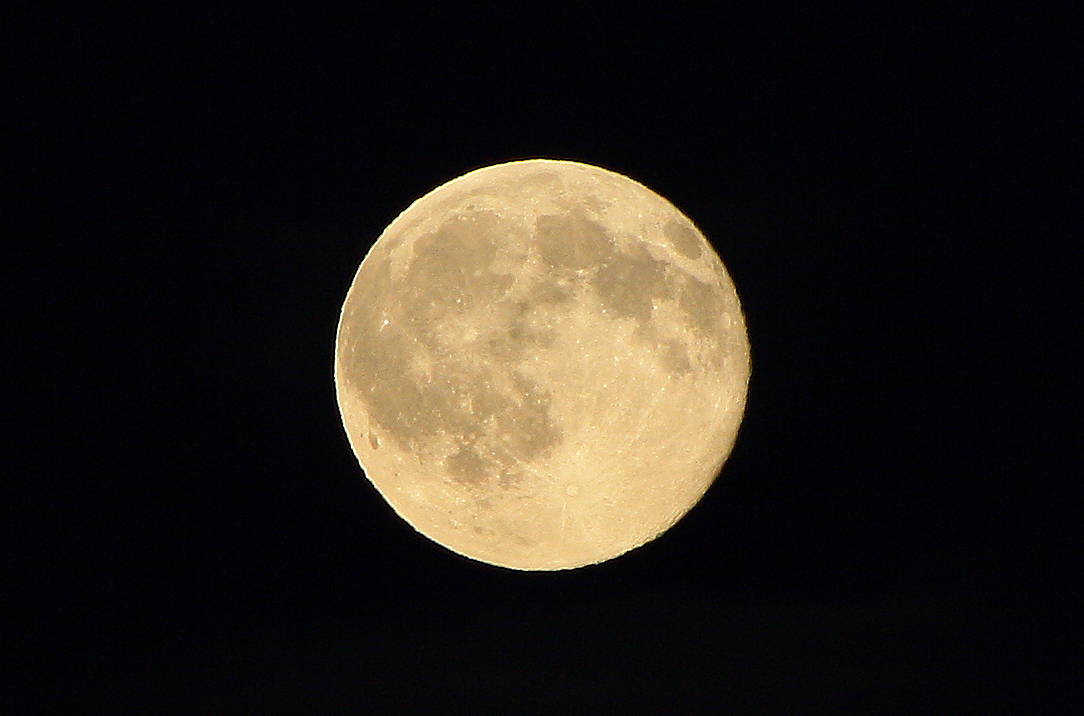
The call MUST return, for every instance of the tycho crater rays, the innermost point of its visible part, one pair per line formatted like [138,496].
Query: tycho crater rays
[541,364]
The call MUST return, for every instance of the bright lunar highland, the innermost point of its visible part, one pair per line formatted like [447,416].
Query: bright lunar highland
[542,364]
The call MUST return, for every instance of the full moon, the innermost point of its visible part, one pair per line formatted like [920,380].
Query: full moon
[542,364]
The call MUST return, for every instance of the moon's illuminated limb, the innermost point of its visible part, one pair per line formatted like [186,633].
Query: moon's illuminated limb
[542,364]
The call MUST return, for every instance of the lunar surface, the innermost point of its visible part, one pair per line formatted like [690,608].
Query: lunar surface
[542,365]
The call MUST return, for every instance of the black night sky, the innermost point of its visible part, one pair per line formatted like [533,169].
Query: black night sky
[896,195]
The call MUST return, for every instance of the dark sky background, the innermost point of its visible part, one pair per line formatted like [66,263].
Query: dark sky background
[897,196]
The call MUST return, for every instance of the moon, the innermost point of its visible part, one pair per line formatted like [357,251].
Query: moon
[541,364]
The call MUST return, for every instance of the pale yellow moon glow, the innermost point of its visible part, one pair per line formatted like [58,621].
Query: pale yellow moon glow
[542,364]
